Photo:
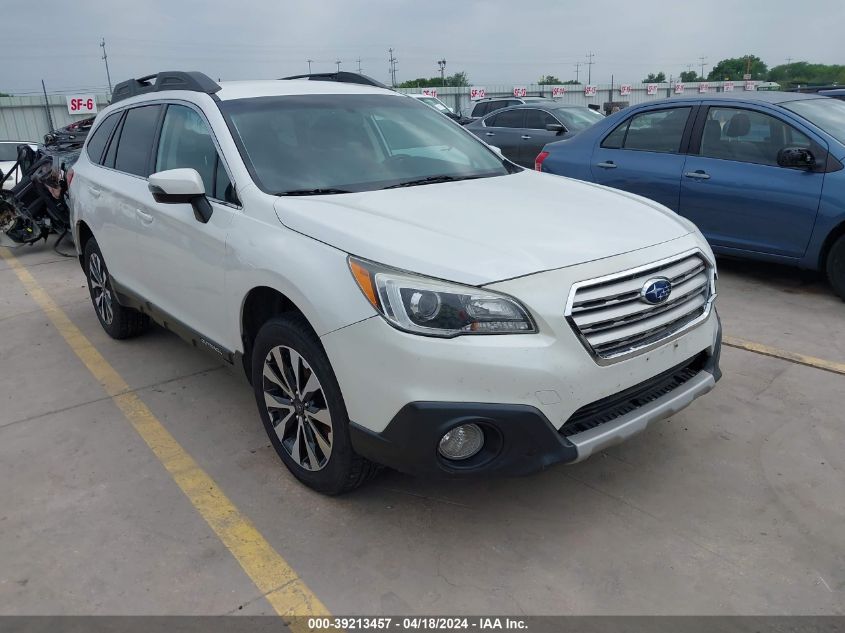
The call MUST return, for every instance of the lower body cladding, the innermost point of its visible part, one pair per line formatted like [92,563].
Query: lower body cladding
[512,404]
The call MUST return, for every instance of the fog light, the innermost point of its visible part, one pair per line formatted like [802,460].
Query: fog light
[462,442]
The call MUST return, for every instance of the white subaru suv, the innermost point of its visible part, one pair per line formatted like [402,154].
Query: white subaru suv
[395,291]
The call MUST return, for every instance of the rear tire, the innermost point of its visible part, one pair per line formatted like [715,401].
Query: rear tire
[118,321]
[302,408]
[835,266]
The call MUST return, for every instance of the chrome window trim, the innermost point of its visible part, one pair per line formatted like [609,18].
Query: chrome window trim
[636,351]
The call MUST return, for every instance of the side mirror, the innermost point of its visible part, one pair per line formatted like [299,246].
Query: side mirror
[796,157]
[555,127]
[181,186]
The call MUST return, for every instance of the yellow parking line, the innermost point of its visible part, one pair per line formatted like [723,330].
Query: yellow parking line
[273,576]
[792,357]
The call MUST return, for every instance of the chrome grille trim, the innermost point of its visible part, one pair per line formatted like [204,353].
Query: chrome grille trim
[613,324]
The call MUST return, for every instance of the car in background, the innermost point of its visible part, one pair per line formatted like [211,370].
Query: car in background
[835,93]
[71,136]
[487,105]
[442,108]
[522,131]
[761,174]
[8,160]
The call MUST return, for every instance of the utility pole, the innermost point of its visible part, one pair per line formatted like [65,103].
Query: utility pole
[338,62]
[590,62]
[442,64]
[702,59]
[577,70]
[309,65]
[47,106]
[359,66]
[392,61]
[106,60]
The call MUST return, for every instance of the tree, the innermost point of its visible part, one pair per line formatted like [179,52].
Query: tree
[735,67]
[549,80]
[457,80]
[571,82]
[803,73]
[659,78]
[689,76]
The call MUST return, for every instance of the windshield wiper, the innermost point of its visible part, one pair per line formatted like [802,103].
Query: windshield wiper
[430,180]
[311,192]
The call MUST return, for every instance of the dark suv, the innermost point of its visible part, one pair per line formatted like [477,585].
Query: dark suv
[485,106]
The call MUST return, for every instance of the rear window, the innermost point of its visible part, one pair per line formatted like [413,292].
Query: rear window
[97,142]
[9,151]
[136,140]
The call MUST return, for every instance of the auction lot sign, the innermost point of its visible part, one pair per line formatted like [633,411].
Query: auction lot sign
[558,91]
[625,90]
[81,104]
[679,88]
[520,91]
[590,91]
[477,92]
[651,89]
[429,92]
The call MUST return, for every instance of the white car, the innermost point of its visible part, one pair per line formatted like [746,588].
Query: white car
[437,104]
[8,158]
[395,291]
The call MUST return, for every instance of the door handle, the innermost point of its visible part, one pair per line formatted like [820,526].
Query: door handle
[146,218]
[94,191]
[697,175]
[608,164]
[525,138]
[489,134]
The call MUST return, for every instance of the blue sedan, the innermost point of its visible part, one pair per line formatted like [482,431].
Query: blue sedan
[761,174]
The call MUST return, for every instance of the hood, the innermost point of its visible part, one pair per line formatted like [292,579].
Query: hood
[481,231]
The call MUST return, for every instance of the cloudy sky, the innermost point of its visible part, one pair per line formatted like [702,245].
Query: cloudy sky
[494,41]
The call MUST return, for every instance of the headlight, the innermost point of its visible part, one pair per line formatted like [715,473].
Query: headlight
[438,308]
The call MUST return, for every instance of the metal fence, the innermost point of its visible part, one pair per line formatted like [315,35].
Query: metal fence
[459,98]
[25,118]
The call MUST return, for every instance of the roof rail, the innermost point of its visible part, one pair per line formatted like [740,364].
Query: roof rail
[166,80]
[342,77]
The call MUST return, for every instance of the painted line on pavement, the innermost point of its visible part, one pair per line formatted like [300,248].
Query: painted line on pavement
[273,576]
[792,357]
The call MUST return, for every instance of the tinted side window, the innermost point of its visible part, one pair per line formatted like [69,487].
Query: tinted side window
[615,139]
[480,109]
[136,140]
[97,142]
[657,130]
[492,106]
[748,136]
[538,119]
[186,142]
[510,118]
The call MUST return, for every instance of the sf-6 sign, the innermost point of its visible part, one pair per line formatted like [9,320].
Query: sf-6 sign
[81,104]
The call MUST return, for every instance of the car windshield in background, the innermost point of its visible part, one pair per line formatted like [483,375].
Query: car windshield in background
[828,114]
[577,119]
[435,103]
[322,144]
[8,151]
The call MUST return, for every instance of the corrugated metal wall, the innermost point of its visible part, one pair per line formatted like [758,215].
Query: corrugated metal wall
[458,98]
[25,118]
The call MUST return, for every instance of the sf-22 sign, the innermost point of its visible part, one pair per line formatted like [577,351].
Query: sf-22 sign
[81,104]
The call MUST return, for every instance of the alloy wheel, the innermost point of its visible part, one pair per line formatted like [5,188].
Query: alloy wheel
[296,404]
[99,277]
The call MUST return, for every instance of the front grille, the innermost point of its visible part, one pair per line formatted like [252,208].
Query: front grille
[614,321]
[617,405]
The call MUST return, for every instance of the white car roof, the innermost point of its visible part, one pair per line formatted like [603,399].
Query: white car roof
[283,87]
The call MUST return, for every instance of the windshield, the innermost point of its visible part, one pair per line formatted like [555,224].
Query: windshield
[435,103]
[577,119]
[828,114]
[9,151]
[322,144]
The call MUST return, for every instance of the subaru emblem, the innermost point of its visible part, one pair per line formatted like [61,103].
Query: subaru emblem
[656,290]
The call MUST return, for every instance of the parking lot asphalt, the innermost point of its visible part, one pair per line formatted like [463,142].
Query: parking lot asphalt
[734,506]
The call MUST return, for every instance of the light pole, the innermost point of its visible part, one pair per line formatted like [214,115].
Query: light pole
[338,62]
[309,65]
[442,64]
[106,60]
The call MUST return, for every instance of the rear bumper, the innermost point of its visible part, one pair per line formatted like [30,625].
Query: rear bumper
[520,439]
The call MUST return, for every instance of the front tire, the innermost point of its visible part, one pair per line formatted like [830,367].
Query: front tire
[302,408]
[835,266]
[118,321]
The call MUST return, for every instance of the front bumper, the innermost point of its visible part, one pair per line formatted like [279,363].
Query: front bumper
[520,440]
